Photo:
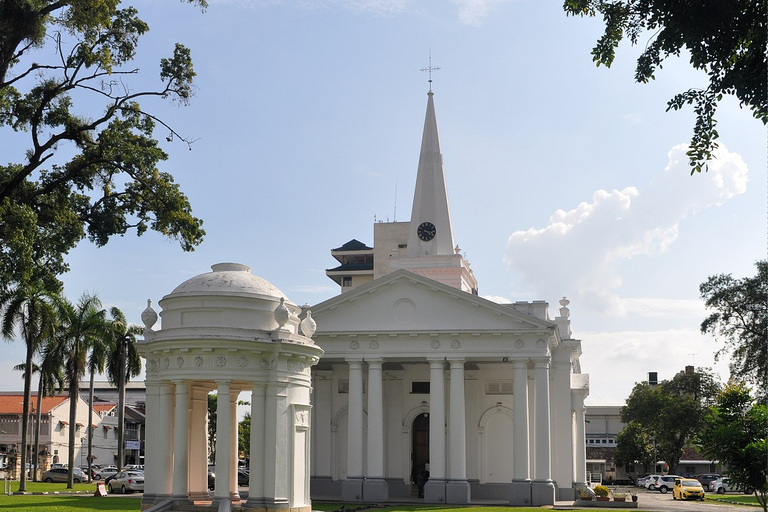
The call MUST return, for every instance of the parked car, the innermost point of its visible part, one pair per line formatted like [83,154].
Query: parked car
[243,476]
[134,467]
[723,485]
[211,478]
[127,481]
[650,482]
[666,483]
[60,475]
[105,472]
[640,481]
[706,479]
[687,489]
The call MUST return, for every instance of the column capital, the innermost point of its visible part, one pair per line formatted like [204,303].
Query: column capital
[542,362]
[455,362]
[435,362]
[355,363]
[520,363]
[374,361]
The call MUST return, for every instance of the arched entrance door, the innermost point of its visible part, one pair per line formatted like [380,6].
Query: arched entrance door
[420,446]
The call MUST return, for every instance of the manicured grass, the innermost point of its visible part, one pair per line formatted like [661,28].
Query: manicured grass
[80,503]
[744,499]
[53,487]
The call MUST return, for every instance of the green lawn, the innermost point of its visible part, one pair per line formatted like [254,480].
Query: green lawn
[53,487]
[744,499]
[81,503]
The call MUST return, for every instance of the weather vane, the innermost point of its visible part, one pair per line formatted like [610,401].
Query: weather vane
[429,69]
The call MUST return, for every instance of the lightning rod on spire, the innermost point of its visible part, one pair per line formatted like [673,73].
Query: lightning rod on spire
[429,69]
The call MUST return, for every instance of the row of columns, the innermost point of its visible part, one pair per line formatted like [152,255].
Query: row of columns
[176,458]
[532,479]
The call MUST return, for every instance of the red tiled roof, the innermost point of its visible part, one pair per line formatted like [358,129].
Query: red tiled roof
[103,406]
[13,403]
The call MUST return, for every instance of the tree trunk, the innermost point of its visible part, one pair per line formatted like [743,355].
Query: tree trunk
[38,415]
[121,408]
[90,425]
[25,414]
[74,393]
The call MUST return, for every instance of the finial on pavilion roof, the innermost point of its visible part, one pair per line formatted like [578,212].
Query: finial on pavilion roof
[429,69]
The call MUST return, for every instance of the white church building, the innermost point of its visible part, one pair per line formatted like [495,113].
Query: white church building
[424,380]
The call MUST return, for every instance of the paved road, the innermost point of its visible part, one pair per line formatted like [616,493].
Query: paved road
[654,500]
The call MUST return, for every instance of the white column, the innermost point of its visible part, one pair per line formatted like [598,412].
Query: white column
[457,488]
[223,455]
[541,379]
[198,444]
[520,443]
[257,468]
[375,487]
[234,493]
[151,448]
[543,489]
[165,439]
[457,425]
[434,491]
[375,422]
[352,487]
[580,454]
[181,441]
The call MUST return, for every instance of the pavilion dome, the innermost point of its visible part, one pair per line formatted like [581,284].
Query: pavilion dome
[229,297]
[227,279]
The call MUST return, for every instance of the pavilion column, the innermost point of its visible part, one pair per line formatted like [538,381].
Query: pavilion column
[198,444]
[457,488]
[579,444]
[352,487]
[375,486]
[543,487]
[276,445]
[434,490]
[165,439]
[521,465]
[257,467]
[151,448]
[181,441]
[223,432]
[234,493]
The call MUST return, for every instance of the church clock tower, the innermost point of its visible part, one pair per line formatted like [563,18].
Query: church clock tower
[424,245]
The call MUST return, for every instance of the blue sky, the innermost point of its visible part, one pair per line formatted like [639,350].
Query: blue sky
[564,179]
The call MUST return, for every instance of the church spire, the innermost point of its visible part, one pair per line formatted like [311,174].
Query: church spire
[431,232]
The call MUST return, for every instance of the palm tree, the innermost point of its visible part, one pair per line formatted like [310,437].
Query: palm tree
[51,381]
[124,362]
[84,324]
[97,359]
[28,309]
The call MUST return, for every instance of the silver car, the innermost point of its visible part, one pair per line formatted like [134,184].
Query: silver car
[127,481]
[60,475]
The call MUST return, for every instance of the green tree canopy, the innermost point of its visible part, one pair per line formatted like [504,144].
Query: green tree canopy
[109,183]
[670,413]
[735,434]
[740,319]
[725,39]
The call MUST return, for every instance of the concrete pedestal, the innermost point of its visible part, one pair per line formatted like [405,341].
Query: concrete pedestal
[542,493]
[434,491]
[375,490]
[458,492]
[352,489]
[520,493]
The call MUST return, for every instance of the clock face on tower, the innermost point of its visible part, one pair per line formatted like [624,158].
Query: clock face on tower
[426,231]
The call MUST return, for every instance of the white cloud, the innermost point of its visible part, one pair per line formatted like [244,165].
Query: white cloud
[497,299]
[615,361]
[474,12]
[579,251]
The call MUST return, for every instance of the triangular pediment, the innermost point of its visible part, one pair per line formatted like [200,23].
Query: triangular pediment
[406,302]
